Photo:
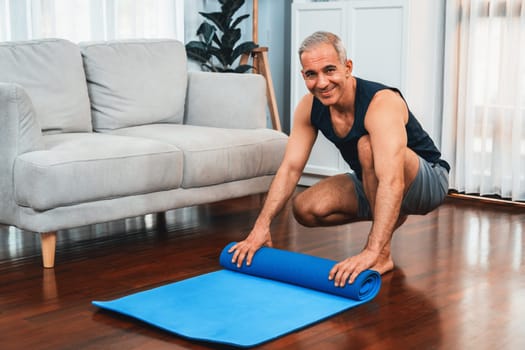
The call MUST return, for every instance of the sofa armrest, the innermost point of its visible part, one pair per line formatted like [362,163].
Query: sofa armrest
[20,133]
[227,100]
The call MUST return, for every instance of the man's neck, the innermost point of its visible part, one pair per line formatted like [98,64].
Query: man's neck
[346,105]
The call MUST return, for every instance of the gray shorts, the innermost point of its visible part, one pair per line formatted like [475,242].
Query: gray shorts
[426,192]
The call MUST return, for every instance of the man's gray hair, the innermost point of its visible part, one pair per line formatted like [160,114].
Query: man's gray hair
[321,37]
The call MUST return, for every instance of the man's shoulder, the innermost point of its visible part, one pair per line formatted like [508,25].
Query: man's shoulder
[305,104]
[371,84]
[376,92]
[303,109]
[386,96]
[307,99]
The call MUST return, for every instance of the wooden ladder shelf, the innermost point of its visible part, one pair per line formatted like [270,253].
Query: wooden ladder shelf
[261,66]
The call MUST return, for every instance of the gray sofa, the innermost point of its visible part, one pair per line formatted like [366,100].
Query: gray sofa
[96,132]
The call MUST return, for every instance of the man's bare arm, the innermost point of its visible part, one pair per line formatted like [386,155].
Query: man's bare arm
[389,142]
[300,143]
[385,122]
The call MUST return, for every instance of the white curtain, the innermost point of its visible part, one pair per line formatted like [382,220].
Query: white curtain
[484,97]
[89,20]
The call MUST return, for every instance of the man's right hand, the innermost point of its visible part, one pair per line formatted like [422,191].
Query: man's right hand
[247,248]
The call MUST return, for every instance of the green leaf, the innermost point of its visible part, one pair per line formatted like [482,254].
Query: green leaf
[220,55]
[207,31]
[230,38]
[196,45]
[245,47]
[239,20]
[197,51]
[229,7]
[218,19]
[243,68]
[209,67]
[216,40]
[200,57]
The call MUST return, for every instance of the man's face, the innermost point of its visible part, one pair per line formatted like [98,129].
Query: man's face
[324,74]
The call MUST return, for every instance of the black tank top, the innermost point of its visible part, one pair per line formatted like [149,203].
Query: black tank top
[418,139]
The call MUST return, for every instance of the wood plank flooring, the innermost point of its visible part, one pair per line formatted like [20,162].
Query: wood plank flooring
[459,281]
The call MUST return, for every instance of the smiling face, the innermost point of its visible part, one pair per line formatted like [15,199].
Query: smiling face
[325,76]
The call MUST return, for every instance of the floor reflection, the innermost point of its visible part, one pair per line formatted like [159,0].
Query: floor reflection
[49,284]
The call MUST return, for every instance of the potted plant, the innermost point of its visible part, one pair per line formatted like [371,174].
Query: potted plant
[216,51]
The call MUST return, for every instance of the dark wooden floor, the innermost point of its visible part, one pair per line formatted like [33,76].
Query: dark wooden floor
[459,281]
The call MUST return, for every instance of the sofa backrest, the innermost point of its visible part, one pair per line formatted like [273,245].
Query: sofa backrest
[51,72]
[135,82]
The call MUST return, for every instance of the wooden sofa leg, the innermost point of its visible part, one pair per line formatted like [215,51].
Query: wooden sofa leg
[48,242]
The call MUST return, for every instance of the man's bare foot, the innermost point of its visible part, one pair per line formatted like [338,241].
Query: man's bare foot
[385,262]
[384,265]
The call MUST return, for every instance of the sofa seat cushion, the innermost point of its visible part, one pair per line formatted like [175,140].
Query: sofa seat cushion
[217,155]
[83,167]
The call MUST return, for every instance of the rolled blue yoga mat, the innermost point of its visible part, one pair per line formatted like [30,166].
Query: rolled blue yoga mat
[303,270]
[279,293]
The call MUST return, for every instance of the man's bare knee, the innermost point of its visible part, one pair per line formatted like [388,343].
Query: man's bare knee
[302,211]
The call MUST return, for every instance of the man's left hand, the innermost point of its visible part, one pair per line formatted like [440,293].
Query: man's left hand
[350,268]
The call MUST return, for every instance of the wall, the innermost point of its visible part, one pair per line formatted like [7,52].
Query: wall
[274,33]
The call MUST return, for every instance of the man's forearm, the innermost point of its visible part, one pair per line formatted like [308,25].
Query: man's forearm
[386,213]
[281,190]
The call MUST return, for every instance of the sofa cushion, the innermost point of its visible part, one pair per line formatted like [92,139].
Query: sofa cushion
[217,155]
[231,97]
[135,82]
[51,72]
[83,167]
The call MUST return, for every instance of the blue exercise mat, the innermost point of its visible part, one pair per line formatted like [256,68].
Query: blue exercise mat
[279,293]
